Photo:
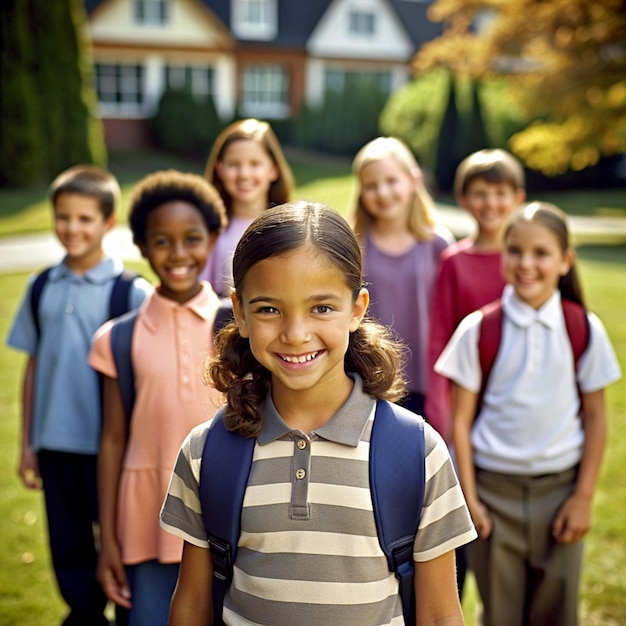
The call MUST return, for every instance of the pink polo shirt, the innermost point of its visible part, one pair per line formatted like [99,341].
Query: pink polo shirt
[170,344]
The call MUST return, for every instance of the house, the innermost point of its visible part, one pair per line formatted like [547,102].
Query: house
[263,58]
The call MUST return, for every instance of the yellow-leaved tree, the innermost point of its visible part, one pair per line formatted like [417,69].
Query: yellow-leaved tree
[565,61]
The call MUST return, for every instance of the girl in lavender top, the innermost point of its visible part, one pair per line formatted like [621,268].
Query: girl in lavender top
[248,168]
[394,221]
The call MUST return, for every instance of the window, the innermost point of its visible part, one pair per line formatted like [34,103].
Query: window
[200,80]
[265,91]
[119,86]
[361,23]
[254,19]
[151,11]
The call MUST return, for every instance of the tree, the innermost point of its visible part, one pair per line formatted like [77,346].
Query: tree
[568,63]
[48,101]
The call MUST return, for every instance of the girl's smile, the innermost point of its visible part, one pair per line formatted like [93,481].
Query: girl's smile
[177,247]
[533,262]
[298,312]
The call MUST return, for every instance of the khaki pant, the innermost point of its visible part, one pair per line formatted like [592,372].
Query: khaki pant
[524,577]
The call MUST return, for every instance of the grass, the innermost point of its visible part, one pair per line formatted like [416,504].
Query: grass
[319,178]
[28,594]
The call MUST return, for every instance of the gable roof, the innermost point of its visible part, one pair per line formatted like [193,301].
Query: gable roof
[298,19]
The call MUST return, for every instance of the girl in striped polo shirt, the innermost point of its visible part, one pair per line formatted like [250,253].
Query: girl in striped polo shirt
[302,370]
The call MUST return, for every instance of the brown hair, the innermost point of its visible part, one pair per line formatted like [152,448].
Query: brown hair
[88,180]
[373,352]
[555,220]
[421,215]
[261,132]
[495,166]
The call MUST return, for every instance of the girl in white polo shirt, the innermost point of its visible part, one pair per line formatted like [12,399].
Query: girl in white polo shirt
[529,456]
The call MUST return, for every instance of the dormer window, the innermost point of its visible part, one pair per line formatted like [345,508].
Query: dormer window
[254,19]
[362,23]
[153,12]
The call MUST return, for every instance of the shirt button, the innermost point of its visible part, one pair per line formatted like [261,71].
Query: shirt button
[69,309]
[300,474]
[185,379]
[301,444]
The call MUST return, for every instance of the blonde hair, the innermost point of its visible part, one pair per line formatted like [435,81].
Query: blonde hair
[253,130]
[421,221]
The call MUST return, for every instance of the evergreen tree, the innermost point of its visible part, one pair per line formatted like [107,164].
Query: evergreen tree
[447,152]
[47,91]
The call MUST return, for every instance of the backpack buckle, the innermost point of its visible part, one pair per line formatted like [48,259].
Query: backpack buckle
[221,557]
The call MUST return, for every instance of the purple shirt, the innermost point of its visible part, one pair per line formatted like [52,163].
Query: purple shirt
[219,267]
[400,289]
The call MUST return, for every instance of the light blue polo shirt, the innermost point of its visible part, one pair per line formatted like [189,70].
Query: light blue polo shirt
[66,409]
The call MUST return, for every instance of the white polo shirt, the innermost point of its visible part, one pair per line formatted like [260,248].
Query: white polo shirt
[529,422]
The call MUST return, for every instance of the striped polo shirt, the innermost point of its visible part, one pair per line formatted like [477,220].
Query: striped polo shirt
[308,551]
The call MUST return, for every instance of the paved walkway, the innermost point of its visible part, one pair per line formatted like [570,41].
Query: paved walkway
[34,251]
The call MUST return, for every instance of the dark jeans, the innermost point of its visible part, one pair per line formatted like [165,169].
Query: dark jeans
[69,483]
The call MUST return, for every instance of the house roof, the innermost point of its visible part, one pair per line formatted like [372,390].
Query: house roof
[297,20]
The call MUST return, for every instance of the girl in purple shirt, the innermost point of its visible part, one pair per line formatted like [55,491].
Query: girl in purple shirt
[394,222]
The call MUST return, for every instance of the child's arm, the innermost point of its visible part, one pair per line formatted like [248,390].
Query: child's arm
[111,572]
[28,469]
[192,600]
[436,595]
[463,414]
[574,519]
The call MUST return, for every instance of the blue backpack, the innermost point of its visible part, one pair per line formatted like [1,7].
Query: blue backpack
[397,477]
[119,302]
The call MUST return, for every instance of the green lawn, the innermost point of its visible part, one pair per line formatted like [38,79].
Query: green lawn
[27,592]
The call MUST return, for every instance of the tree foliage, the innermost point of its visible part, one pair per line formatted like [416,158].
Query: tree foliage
[47,118]
[567,64]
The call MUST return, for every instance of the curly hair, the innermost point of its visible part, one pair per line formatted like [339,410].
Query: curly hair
[374,352]
[170,185]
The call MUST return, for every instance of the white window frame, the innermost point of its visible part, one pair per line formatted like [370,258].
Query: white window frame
[254,19]
[265,91]
[362,23]
[151,12]
[120,88]
[201,78]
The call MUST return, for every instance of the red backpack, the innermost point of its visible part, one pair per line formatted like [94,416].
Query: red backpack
[490,335]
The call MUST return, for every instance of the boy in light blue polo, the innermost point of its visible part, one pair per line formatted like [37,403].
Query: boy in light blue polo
[61,397]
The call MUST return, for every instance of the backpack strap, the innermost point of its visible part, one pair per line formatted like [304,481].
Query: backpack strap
[35,297]
[224,315]
[119,302]
[397,471]
[224,471]
[121,341]
[489,337]
[577,325]
[396,444]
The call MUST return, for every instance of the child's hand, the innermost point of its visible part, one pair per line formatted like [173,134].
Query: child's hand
[573,520]
[482,520]
[112,576]
[28,469]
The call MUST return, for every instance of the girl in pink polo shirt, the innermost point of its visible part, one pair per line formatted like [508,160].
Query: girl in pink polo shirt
[175,219]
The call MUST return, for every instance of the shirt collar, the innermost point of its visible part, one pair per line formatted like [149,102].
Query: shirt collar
[523,315]
[99,274]
[345,427]
[157,307]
